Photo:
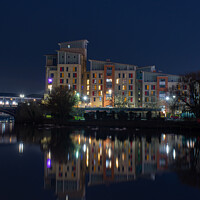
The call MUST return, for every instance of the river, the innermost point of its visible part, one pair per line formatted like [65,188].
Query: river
[92,163]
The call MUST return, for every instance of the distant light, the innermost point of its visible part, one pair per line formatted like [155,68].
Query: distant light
[117,163]
[49,155]
[1,102]
[50,80]
[85,98]
[109,152]
[50,87]
[90,140]
[174,154]
[163,137]
[78,94]
[167,98]
[77,154]
[14,103]
[167,149]
[7,102]
[84,148]
[21,95]
[48,163]
[21,147]
[110,91]
[174,97]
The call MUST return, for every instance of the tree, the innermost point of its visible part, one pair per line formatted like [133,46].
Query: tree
[186,95]
[29,113]
[61,102]
[120,101]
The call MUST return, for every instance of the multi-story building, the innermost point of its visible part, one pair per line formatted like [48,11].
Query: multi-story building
[109,80]
[67,67]
[106,83]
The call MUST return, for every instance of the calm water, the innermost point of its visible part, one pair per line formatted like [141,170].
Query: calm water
[86,164]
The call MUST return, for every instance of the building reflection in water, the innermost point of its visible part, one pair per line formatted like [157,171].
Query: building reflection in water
[6,129]
[98,161]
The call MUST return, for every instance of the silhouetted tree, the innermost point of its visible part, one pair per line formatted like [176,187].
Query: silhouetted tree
[186,94]
[61,102]
[29,113]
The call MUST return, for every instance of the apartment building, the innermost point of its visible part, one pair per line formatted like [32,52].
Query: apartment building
[67,67]
[109,81]
[106,83]
[159,90]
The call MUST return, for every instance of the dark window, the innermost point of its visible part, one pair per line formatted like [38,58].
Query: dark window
[52,75]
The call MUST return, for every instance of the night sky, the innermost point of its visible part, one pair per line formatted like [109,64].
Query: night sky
[164,33]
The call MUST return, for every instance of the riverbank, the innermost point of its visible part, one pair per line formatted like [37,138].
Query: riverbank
[132,125]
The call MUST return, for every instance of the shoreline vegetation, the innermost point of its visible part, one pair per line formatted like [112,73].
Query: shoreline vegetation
[61,108]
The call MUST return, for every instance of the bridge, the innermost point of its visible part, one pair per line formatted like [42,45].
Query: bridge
[10,101]
[9,110]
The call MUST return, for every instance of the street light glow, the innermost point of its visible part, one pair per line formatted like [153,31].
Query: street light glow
[21,95]
[167,98]
[85,98]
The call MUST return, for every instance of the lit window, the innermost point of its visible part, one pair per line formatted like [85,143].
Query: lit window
[88,87]
[61,75]
[88,93]
[99,87]
[88,82]
[117,81]
[109,80]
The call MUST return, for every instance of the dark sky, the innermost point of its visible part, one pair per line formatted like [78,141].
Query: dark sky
[164,33]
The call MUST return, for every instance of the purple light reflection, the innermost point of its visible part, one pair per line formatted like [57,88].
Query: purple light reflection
[48,163]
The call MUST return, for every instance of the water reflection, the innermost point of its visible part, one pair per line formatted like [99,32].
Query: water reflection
[74,162]
[6,130]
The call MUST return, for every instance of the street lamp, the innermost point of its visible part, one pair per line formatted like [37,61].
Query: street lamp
[85,98]
[21,95]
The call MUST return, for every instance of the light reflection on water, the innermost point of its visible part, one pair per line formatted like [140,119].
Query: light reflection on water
[110,160]
[6,129]
[75,162]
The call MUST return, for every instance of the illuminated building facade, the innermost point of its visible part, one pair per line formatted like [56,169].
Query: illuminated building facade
[67,67]
[109,81]
[106,83]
